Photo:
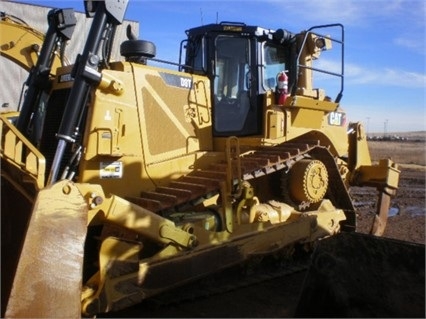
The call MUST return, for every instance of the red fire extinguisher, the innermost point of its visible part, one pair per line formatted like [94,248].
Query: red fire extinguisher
[282,87]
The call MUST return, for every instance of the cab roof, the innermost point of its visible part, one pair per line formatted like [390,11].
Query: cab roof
[231,27]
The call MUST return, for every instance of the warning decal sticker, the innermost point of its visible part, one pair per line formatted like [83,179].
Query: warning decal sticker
[111,170]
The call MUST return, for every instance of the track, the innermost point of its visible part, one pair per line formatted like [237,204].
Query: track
[201,183]
[255,163]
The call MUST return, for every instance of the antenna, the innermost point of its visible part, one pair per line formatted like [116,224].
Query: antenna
[217,17]
[201,13]
[385,131]
[368,125]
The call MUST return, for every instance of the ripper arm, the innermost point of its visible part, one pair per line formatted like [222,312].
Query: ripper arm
[384,175]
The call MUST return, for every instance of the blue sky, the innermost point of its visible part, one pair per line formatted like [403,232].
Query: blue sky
[385,46]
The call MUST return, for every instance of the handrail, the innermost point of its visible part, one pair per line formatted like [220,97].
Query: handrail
[341,42]
[18,151]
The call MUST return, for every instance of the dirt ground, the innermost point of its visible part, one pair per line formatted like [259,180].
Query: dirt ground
[408,207]
[279,297]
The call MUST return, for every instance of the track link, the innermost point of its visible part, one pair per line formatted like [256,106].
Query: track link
[204,183]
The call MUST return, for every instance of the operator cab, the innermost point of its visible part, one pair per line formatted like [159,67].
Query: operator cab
[244,64]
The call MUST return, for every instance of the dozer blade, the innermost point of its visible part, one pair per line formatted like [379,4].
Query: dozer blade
[48,279]
[364,276]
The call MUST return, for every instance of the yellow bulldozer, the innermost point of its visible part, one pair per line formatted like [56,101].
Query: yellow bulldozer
[123,179]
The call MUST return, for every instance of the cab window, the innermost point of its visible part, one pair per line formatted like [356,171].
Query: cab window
[274,62]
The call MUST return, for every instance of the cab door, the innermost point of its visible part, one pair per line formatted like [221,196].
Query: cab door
[234,95]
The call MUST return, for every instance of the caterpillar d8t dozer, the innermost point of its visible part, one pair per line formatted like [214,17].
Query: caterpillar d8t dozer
[123,179]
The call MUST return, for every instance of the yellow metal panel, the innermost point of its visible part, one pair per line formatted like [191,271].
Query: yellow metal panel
[276,124]
[310,103]
[307,118]
[159,122]
[113,154]
[386,173]
[174,112]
